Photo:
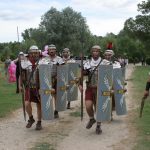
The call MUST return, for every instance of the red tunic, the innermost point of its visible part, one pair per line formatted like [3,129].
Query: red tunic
[32,90]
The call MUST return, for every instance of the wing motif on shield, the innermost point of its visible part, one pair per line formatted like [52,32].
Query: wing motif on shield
[119,83]
[73,76]
[49,86]
[65,83]
[105,104]
[106,82]
[122,100]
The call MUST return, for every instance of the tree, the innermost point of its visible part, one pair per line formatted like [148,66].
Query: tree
[6,53]
[144,7]
[66,28]
[140,26]
[36,35]
[25,45]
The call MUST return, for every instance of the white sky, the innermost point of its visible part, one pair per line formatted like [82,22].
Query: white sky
[103,16]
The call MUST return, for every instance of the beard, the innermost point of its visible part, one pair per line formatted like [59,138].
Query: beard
[52,54]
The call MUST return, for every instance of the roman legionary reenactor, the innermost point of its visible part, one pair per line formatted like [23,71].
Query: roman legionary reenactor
[91,71]
[66,58]
[118,86]
[54,60]
[29,84]
[108,55]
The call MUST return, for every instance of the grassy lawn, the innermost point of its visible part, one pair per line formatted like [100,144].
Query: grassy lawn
[9,100]
[140,77]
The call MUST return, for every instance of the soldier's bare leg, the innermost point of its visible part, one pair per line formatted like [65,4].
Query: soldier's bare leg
[95,106]
[98,128]
[29,112]
[56,115]
[28,108]
[113,106]
[68,105]
[90,112]
[89,108]
[39,116]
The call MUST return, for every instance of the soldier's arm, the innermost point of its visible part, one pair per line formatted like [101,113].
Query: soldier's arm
[80,84]
[15,61]
[86,72]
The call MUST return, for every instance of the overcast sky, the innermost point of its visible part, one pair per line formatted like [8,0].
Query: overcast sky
[102,16]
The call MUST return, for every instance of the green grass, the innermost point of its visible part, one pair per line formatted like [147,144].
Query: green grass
[43,146]
[140,77]
[75,114]
[9,100]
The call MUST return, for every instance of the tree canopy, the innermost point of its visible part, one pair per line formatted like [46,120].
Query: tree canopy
[140,26]
[68,28]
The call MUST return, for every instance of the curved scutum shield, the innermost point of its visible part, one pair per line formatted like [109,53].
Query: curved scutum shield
[46,91]
[104,103]
[119,94]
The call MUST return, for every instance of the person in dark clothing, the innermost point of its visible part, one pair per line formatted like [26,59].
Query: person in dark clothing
[17,62]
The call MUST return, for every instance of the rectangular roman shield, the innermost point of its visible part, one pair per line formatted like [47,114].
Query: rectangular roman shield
[46,91]
[104,86]
[62,87]
[124,73]
[74,74]
[119,94]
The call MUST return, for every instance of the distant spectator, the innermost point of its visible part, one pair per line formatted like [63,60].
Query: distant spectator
[12,72]
[6,65]
[143,61]
[45,52]
[126,61]
[17,62]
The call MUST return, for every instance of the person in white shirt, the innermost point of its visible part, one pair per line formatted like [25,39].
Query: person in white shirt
[108,55]
[29,77]
[66,58]
[90,69]
[54,60]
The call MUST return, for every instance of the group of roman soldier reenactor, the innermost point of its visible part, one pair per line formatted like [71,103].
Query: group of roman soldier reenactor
[29,80]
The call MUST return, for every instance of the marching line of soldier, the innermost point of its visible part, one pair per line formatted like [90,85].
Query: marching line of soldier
[66,58]
[29,80]
[90,70]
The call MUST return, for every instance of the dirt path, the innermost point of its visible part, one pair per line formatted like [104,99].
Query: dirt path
[68,132]
[116,135]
